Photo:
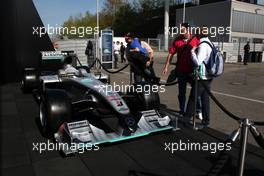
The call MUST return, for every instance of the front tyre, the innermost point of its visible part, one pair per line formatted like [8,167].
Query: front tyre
[144,100]
[55,109]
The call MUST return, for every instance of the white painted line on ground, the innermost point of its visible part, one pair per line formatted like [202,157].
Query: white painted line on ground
[125,72]
[235,96]
[227,95]
[239,97]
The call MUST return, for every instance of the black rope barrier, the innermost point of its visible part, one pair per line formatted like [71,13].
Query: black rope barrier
[257,136]
[91,66]
[230,114]
[221,106]
[79,61]
[112,72]
[169,83]
[121,69]
[258,123]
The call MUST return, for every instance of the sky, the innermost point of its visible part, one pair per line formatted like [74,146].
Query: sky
[55,12]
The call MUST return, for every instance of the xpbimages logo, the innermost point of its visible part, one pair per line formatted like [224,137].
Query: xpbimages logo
[211,147]
[212,31]
[41,147]
[80,31]
[147,89]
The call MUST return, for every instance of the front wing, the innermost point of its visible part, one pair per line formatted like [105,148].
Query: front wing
[83,133]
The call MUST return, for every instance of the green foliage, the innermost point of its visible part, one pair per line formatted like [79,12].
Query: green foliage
[126,20]
[142,17]
[86,20]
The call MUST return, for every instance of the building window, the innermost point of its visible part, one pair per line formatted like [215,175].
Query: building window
[247,22]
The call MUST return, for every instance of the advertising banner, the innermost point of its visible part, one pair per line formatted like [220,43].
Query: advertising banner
[107,48]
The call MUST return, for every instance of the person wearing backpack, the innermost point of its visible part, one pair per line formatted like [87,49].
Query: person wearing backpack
[201,55]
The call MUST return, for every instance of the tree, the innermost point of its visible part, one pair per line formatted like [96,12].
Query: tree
[125,20]
[86,20]
[109,11]
[145,18]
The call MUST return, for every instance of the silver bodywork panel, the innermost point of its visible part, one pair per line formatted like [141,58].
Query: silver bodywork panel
[91,82]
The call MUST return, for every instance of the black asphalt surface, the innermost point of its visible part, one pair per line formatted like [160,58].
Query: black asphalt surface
[19,131]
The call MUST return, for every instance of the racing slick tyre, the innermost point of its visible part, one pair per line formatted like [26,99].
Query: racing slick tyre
[55,109]
[144,100]
[30,80]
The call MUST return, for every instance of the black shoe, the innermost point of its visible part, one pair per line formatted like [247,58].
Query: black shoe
[187,122]
[157,80]
[205,124]
[182,113]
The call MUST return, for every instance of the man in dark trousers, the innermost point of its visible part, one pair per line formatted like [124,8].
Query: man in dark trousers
[89,52]
[122,52]
[246,53]
[182,46]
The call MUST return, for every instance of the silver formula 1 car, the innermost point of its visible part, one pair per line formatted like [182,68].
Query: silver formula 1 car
[81,107]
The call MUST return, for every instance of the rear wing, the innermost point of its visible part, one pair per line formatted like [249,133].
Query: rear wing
[52,61]
[52,55]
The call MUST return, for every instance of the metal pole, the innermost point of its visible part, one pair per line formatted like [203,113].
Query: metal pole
[195,97]
[97,13]
[97,25]
[166,25]
[239,46]
[183,16]
[97,55]
[130,76]
[159,45]
[243,147]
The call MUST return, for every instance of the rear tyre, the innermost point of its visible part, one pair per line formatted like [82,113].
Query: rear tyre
[55,109]
[30,80]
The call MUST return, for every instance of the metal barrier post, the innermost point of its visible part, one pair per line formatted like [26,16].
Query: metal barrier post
[97,66]
[195,97]
[130,75]
[243,146]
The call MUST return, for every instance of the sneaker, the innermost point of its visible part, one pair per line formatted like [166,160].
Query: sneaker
[199,116]
[202,126]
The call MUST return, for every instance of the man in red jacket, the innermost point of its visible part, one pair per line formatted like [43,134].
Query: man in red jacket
[182,46]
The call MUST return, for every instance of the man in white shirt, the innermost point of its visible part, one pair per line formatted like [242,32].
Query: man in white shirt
[150,52]
[149,64]
[116,52]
